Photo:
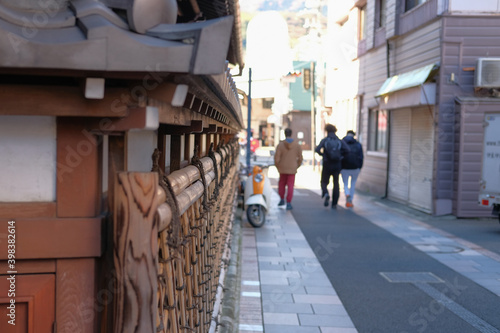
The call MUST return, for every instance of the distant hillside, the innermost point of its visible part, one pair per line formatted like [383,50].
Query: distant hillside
[293,12]
[278,5]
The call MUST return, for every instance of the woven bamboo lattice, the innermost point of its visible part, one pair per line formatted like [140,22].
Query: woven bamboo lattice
[190,212]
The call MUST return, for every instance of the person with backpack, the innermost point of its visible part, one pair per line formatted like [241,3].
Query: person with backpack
[351,166]
[333,151]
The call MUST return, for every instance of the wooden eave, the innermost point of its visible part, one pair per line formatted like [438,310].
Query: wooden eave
[201,104]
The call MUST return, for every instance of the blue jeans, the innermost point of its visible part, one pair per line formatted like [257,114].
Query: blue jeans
[349,186]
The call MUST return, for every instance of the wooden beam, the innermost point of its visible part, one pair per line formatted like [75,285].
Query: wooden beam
[196,126]
[117,162]
[189,102]
[197,142]
[16,210]
[174,115]
[162,147]
[31,266]
[175,152]
[137,118]
[212,128]
[62,101]
[48,238]
[187,148]
[197,105]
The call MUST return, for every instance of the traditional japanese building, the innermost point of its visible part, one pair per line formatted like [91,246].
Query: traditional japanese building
[117,121]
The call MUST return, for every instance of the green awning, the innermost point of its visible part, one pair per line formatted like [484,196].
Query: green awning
[407,80]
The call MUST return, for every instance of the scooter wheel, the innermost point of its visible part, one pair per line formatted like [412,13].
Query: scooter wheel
[256,216]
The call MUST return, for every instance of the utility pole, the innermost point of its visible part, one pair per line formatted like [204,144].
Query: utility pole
[249,119]
[313,115]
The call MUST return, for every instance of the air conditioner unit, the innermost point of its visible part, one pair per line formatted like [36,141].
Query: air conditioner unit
[487,74]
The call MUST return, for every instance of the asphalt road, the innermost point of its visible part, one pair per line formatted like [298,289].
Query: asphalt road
[355,254]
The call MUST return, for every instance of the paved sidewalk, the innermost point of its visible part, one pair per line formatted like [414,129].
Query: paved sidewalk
[284,287]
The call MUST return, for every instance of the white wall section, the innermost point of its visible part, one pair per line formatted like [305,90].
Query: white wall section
[27,158]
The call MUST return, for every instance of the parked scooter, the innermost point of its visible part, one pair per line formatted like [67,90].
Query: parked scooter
[257,195]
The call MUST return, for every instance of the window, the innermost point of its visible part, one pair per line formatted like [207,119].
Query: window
[381,14]
[267,103]
[410,4]
[362,23]
[377,130]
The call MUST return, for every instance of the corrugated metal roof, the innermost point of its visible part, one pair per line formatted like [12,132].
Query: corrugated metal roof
[407,80]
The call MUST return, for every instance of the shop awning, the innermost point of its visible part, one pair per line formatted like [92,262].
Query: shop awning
[407,80]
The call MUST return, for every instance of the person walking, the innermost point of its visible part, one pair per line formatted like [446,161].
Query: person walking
[351,166]
[333,150]
[287,159]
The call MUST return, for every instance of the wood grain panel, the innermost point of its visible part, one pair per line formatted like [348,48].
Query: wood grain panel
[77,302]
[135,252]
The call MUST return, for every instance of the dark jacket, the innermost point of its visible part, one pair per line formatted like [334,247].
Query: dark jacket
[354,158]
[332,165]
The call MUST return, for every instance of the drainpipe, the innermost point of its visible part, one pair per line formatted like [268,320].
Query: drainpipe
[388,67]
[388,154]
[249,115]
[388,58]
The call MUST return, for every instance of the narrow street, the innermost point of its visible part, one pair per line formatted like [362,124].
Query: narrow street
[392,268]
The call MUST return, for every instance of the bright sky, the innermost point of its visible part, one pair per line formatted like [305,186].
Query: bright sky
[268,46]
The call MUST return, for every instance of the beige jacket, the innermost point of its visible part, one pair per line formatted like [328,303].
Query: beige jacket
[288,157]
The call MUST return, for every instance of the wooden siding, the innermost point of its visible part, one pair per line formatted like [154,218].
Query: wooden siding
[469,154]
[370,24]
[417,49]
[390,23]
[417,17]
[465,38]
[373,73]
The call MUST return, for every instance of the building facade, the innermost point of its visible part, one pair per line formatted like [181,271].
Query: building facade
[419,109]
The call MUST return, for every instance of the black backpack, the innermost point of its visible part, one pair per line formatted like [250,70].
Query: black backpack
[332,149]
[352,160]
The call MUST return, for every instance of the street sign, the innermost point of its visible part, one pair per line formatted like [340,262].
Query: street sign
[306,78]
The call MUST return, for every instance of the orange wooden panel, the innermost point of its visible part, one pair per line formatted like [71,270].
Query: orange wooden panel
[78,170]
[15,210]
[31,266]
[53,238]
[34,309]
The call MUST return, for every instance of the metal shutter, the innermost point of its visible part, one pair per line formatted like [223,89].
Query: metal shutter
[399,155]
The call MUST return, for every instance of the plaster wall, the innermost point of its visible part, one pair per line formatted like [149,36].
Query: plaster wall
[28,158]
[140,147]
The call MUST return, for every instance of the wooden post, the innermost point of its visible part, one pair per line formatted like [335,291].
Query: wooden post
[135,252]
[175,152]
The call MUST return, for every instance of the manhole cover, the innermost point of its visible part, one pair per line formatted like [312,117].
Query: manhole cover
[438,248]
[411,277]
